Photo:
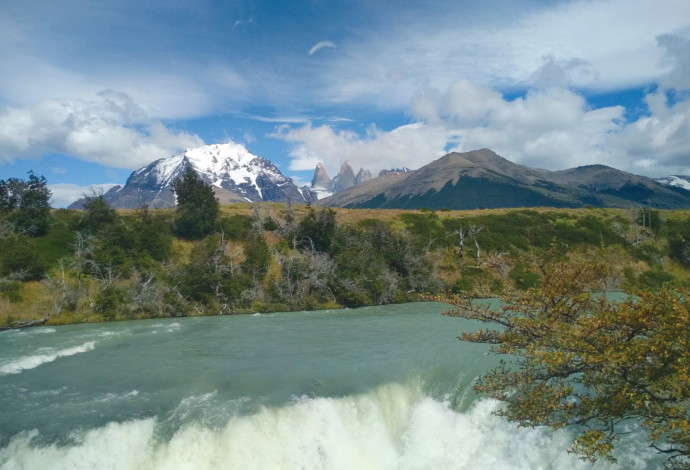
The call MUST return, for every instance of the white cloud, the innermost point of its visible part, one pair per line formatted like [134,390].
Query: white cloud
[64,194]
[678,56]
[432,66]
[320,45]
[110,129]
[411,145]
[239,23]
[552,128]
[658,143]
[186,87]
[598,45]
[248,138]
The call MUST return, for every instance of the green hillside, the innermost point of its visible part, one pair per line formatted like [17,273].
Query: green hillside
[100,264]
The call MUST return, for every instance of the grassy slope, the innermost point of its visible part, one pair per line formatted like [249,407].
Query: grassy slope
[35,295]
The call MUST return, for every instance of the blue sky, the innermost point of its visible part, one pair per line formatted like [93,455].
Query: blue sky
[91,90]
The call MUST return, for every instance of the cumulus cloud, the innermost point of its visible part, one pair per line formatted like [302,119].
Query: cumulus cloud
[64,194]
[110,129]
[409,145]
[552,128]
[320,45]
[660,142]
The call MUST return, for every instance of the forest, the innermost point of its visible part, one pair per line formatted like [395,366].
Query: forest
[67,266]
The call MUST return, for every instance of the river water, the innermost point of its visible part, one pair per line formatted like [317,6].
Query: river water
[373,388]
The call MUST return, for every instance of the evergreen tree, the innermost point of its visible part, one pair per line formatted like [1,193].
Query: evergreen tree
[98,215]
[258,256]
[197,207]
[20,259]
[26,204]
[153,236]
[317,229]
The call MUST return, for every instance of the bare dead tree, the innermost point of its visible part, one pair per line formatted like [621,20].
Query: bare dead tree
[321,270]
[473,231]
[461,242]
[106,276]
[499,262]
[56,284]
[258,219]
[83,252]
[389,280]
[287,287]
[143,293]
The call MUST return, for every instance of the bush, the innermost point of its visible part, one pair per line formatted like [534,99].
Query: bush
[236,227]
[11,291]
[19,256]
[650,281]
[523,277]
[463,285]
[317,229]
[108,301]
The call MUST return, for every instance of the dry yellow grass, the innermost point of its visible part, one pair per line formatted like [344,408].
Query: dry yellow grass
[352,216]
[35,300]
[182,250]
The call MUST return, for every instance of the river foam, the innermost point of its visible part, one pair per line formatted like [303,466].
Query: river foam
[44,356]
[393,427]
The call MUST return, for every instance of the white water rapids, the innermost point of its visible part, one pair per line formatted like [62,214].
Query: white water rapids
[381,389]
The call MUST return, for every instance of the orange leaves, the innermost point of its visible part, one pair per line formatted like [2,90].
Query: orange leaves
[583,359]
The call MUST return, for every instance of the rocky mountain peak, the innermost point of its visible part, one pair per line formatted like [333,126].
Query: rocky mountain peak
[321,178]
[362,176]
[345,178]
[394,170]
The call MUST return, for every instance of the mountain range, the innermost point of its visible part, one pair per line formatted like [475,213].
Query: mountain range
[483,179]
[471,180]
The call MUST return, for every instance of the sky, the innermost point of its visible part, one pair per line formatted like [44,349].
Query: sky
[91,90]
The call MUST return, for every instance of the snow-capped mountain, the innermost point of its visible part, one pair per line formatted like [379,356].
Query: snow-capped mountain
[235,174]
[679,181]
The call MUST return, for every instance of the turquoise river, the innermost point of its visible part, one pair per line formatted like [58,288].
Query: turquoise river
[373,388]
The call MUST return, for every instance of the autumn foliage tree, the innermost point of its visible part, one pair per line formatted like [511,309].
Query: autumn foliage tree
[583,361]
